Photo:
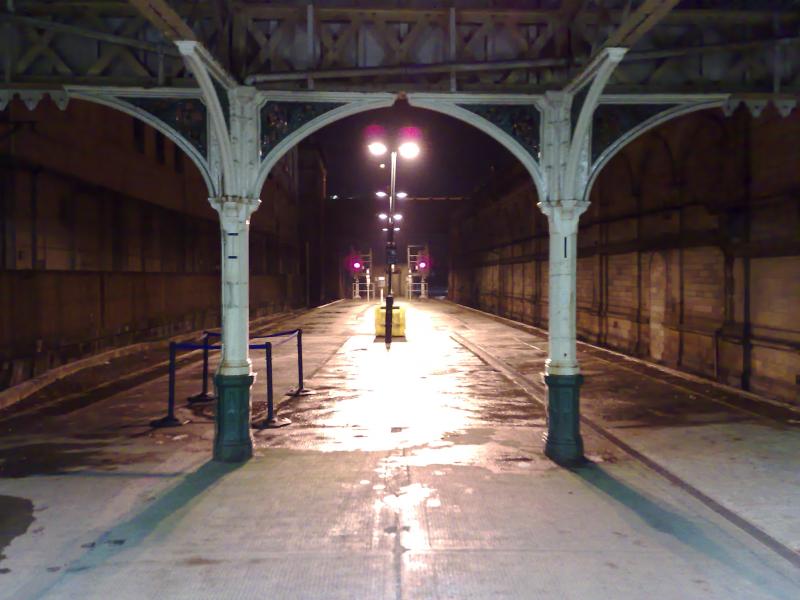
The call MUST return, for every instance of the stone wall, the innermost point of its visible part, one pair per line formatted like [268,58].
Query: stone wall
[107,238]
[689,255]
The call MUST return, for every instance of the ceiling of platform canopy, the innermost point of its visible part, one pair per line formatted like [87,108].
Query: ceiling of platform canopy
[455,158]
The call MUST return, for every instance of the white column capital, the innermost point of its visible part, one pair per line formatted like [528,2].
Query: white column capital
[563,215]
[556,99]
[244,94]
[234,211]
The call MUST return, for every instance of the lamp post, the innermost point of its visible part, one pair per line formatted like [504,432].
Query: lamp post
[408,148]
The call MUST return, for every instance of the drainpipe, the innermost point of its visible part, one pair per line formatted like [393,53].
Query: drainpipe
[34,206]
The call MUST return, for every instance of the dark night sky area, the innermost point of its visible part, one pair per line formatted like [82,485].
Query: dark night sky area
[455,159]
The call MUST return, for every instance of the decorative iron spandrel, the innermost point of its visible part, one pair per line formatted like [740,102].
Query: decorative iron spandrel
[279,119]
[187,116]
[612,121]
[521,122]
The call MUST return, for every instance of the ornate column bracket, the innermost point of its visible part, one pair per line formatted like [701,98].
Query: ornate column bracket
[594,79]
[513,120]
[279,119]
[286,118]
[612,121]
[210,76]
[178,113]
[521,121]
[619,119]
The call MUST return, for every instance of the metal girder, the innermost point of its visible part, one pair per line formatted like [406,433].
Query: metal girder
[638,23]
[165,19]
[293,46]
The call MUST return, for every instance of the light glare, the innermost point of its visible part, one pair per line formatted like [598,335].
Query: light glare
[383,216]
[401,195]
[398,217]
[408,150]
[377,148]
[380,194]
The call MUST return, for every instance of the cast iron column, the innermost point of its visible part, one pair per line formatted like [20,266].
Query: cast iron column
[563,442]
[234,378]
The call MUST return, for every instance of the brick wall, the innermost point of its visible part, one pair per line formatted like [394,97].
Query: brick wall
[688,256]
[105,239]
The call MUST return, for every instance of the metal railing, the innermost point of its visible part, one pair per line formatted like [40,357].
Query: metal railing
[418,289]
[363,290]
[170,420]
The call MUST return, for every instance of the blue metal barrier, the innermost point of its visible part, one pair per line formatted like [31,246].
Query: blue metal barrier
[204,395]
[170,420]
[300,390]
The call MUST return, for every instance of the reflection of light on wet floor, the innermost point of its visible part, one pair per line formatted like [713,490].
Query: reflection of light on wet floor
[425,401]
[403,397]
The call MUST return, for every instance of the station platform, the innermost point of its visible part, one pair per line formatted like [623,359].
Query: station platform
[409,473]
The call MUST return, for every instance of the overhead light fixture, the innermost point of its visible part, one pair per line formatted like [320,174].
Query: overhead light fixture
[408,150]
[380,194]
[383,216]
[400,195]
[376,135]
[378,149]
[398,217]
[409,146]
[383,165]
[385,229]
[397,229]
[334,197]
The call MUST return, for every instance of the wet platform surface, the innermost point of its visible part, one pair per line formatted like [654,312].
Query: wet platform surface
[410,473]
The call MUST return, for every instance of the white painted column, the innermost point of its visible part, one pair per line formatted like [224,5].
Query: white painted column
[234,215]
[562,217]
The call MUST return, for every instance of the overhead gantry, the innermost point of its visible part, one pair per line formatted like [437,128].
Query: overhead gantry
[547,85]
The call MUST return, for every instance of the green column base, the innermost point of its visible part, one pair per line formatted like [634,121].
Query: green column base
[232,439]
[563,442]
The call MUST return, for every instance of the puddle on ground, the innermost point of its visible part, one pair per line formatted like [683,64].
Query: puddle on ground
[16,515]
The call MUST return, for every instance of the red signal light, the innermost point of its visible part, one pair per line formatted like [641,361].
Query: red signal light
[422,264]
[356,265]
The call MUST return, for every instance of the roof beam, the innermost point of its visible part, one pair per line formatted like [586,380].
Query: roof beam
[175,29]
[165,19]
[639,22]
[566,16]
[631,29]
[69,29]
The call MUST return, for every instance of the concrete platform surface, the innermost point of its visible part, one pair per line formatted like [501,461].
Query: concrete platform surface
[414,472]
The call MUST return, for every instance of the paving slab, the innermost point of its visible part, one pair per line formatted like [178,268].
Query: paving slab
[414,472]
[742,455]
